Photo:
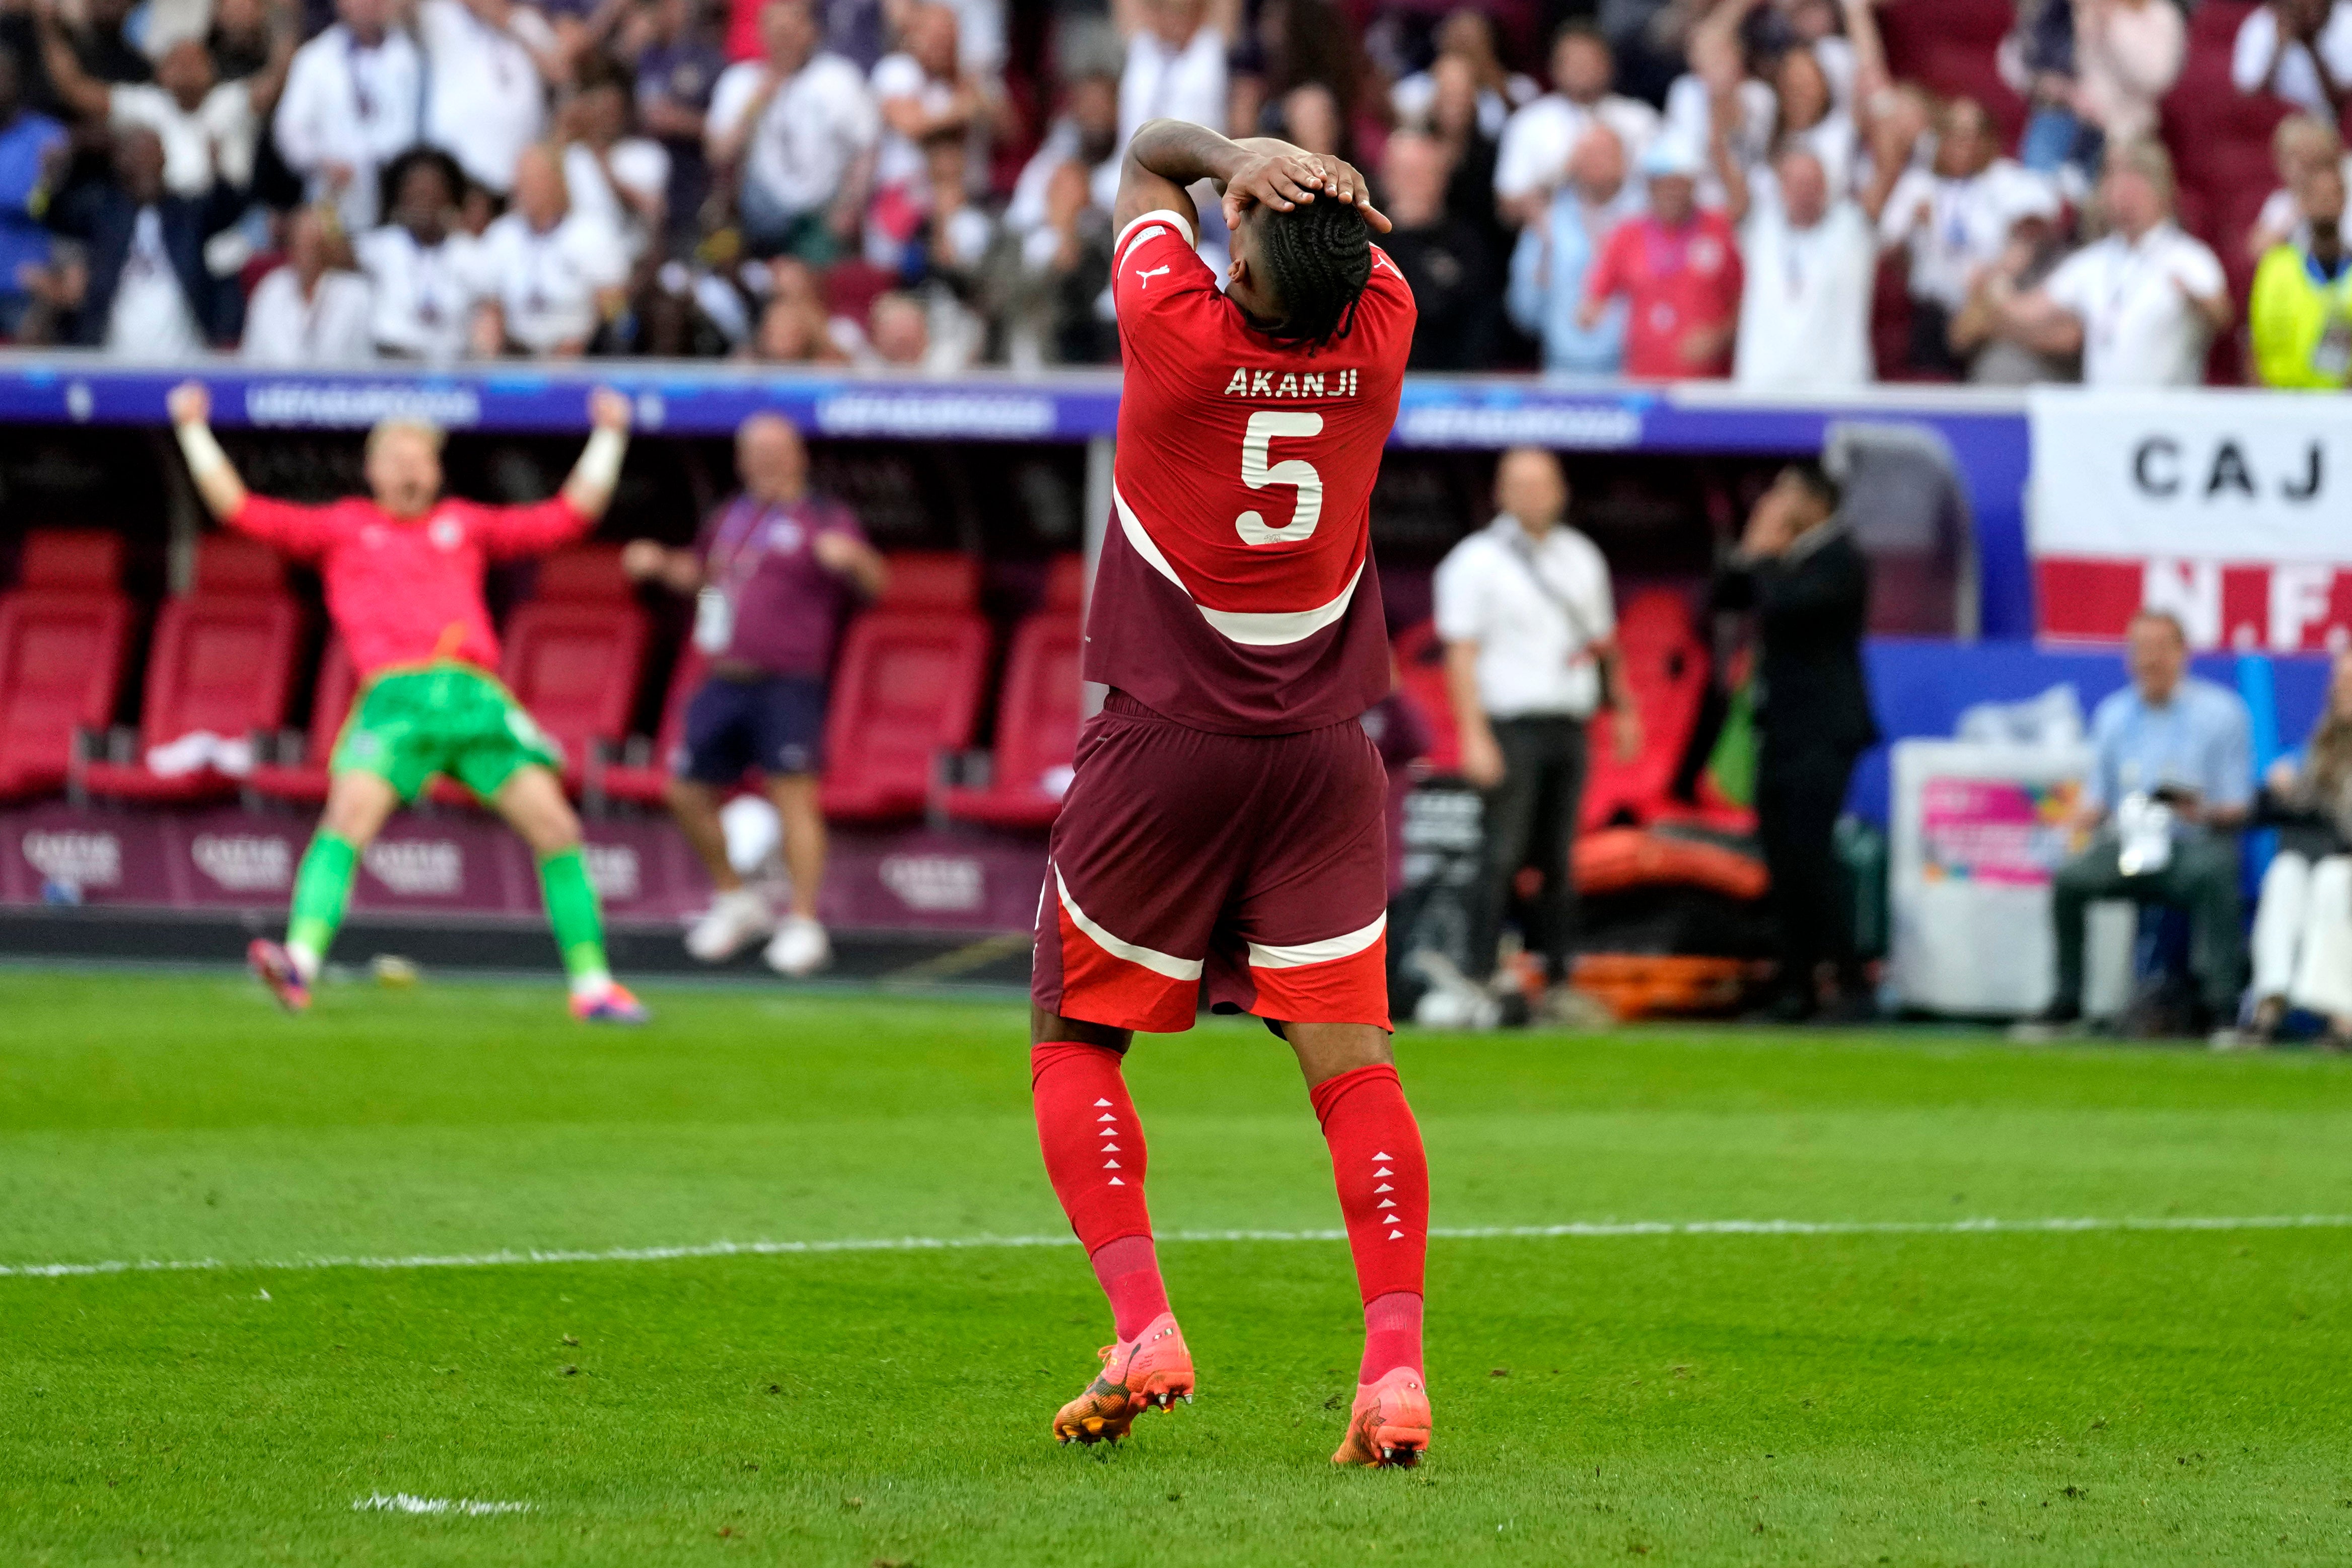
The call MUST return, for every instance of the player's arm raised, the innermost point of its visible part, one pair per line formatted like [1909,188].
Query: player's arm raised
[217,478]
[598,471]
[1165,156]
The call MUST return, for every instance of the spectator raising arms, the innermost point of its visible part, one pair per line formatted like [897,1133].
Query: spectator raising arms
[2141,305]
[1552,264]
[1678,267]
[2300,50]
[1175,68]
[1467,36]
[1533,158]
[1955,218]
[313,310]
[1811,265]
[351,106]
[148,294]
[797,128]
[2301,310]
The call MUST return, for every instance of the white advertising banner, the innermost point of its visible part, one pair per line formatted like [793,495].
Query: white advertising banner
[2233,510]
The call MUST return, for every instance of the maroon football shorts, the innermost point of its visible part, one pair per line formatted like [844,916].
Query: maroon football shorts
[1252,867]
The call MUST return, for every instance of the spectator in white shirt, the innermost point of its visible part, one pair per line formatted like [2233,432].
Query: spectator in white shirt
[798,127]
[486,65]
[621,181]
[1531,629]
[547,276]
[920,92]
[208,126]
[1533,157]
[2300,50]
[309,311]
[1804,315]
[1955,218]
[1086,134]
[351,106]
[2300,146]
[421,264]
[1718,87]
[2141,305]
[1175,68]
[1811,118]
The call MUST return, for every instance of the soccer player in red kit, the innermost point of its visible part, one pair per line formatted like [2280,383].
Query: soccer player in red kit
[1225,834]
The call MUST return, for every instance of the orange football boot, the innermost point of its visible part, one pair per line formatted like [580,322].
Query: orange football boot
[1153,1370]
[1389,1424]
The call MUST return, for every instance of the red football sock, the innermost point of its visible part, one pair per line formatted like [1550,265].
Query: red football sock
[1129,1272]
[1095,1157]
[1383,1181]
[1391,1334]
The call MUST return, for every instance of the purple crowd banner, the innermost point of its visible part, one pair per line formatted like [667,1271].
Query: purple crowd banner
[467,866]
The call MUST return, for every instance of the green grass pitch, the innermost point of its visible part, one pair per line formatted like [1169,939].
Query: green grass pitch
[1917,1395]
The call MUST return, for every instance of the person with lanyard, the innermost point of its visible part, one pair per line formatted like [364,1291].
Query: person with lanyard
[1799,570]
[1525,611]
[2301,309]
[772,575]
[2171,784]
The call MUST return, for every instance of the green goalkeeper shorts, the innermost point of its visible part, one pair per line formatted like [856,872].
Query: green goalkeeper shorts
[410,724]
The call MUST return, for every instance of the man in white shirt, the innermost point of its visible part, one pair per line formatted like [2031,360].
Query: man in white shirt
[2300,50]
[308,312]
[797,127]
[1525,608]
[421,265]
[1175,68]
[1536,143]
[2143,304]
[351,106]
[547,276]
[485,91]
[1804,316]
[1955,218]
[208,126]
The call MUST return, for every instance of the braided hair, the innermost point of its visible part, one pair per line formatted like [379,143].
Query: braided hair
[1319,256]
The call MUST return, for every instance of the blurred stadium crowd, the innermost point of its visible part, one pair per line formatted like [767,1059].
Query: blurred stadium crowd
[1793,193]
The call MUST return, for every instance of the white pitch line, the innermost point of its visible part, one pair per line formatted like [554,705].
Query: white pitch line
[1586,1230]
[402,1502]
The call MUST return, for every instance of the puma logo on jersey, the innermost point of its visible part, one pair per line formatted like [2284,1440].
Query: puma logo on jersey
[1311,383]
[1148,277]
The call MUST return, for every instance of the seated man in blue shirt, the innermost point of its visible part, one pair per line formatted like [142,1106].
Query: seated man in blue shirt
[2185,745]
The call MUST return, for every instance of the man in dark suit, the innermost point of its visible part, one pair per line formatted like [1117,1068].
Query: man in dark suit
[1798,568]
[148,293]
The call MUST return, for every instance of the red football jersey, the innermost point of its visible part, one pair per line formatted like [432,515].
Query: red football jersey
[408,592]
[1236,590]
[1678,280]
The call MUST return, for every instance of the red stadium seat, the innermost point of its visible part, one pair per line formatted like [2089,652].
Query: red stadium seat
[220,666]
[305,783]
[585,574]
[1420,656]
[908,687]
[1667,666]
[60,667]
[1066,584]
[1036,728]
[576,667]
[228,564]
[82,558]
[647,784]
[1949,47]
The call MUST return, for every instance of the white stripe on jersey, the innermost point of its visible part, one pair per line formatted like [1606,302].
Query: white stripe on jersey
[1298,955]
[1251,628]
[1158,215]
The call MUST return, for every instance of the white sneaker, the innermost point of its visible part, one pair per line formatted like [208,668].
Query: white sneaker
[735,921]
[801,947]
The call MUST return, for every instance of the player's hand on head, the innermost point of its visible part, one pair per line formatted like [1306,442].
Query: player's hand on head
[190,403]
[1282,181]
[608,410]
[1344,181]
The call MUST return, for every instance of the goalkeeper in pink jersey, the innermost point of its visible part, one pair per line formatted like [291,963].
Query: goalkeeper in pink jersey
[403,579]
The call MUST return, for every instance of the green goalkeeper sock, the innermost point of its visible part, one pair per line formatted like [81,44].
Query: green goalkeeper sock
[579,923]
[321,890]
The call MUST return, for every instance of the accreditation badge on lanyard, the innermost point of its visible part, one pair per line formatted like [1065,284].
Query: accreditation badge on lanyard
[714,604]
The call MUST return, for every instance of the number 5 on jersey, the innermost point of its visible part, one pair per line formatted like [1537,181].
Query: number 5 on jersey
[1264,426]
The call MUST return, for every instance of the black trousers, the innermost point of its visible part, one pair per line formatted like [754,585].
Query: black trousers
[1799,791]
[1531,820]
